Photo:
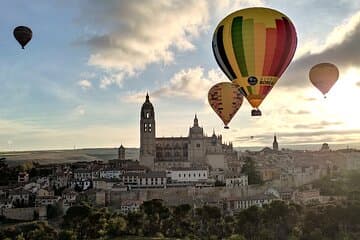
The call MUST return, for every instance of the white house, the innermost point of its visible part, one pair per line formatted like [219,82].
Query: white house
[130,206]
[237,204]
[152,179]
[19,197]
[187,174]
[82,173]
[110,173]
[236,180]
[46,200]
[69,197]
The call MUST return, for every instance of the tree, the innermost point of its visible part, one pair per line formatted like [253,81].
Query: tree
[67,235]
[54,210]
[155,214]
[249,169]
[116,226]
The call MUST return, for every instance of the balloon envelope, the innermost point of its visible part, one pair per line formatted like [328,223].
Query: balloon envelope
[23,35]
[226,100]
[253,47]
[323,76]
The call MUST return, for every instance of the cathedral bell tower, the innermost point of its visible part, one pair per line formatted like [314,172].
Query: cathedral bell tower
[147,134]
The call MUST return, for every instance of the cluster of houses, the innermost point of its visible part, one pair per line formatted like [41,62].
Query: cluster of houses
[66,182]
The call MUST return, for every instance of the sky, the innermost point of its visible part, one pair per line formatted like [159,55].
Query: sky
[82,79]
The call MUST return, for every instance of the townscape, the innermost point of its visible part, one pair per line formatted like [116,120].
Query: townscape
[197,171]
[168,119]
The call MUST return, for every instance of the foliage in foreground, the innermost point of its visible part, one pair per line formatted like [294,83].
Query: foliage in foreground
[277,220]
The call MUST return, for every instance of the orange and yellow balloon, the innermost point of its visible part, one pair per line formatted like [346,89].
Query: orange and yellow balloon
[253,47]
[323,76]
[226,100]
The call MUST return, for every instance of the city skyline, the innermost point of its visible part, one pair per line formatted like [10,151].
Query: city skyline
[84,86]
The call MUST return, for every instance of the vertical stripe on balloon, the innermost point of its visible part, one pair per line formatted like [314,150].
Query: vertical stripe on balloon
[242,91]
[249,42]
[270,50]
[238,45]
[249,88]
[279,49]
[290,51]
[260,38]
[220,55]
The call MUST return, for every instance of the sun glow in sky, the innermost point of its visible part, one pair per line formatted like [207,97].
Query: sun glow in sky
[83,77]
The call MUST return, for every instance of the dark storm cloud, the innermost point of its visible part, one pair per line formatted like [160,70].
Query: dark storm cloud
[343,55]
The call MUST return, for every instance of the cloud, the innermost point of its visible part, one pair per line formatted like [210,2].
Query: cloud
[125,37]
[140,33]
[111,78]
[340,48]
[134,97]
[85,84]
[302,137]
[191,83]
[300,112]
[79,111]
[320,125]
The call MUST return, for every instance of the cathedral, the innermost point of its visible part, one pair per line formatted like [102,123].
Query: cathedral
[195,150]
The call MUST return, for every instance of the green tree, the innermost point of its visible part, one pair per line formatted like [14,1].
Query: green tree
[54,210]
[155,215]
[116,226]
[67,235]
[249,169]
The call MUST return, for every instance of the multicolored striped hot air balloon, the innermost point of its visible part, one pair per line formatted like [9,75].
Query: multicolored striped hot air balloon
[253,47]
[226,100]
[323,76]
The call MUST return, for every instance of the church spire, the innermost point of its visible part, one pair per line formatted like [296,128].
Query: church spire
[275,144]
[147,97]
[196,122]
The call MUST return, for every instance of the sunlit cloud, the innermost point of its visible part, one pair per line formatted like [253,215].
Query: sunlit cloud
[142,33]
[192,83]
[85,84]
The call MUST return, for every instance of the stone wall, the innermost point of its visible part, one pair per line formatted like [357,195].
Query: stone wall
[25,214]
[175,196]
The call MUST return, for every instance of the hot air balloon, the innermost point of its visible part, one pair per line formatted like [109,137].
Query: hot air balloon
[253,47]
[23,35]
[323,76]
[226,100]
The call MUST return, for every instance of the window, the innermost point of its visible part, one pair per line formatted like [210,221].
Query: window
[198,145]
[179,175]
[147,115]
[145,127]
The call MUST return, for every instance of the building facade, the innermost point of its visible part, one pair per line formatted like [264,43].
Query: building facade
[196,149]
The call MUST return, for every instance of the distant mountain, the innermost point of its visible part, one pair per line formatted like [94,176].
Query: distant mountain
[64,156]
[311,147]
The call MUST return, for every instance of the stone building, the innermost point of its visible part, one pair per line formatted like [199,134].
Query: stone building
[196,149]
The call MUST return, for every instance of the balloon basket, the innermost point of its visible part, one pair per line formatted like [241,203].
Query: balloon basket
[255,112]
[226,127]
